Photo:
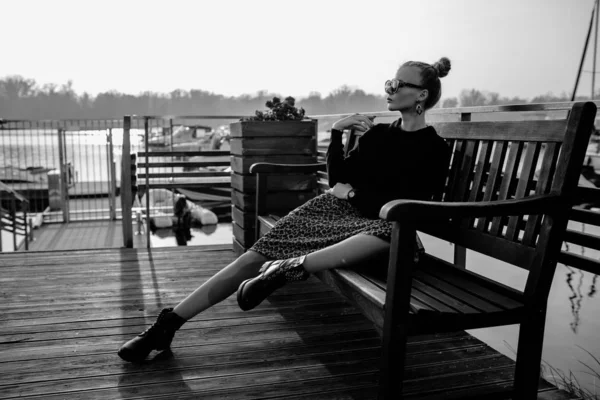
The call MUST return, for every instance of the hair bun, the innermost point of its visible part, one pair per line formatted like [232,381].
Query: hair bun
[442,66]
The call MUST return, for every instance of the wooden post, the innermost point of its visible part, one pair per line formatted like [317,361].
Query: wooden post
[285,142]
[64,194]
[13,215]
[147,194]
[126,184]
[113,178]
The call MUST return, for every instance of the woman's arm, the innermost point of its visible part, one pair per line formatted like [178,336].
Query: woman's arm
[340,168]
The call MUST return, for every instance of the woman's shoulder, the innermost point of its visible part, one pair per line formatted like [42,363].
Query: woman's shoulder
[372,133]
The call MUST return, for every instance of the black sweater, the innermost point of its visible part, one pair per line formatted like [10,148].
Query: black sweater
[389,163]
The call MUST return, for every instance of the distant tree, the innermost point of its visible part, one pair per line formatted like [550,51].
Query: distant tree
[450,102]
[22,98]
[471,98]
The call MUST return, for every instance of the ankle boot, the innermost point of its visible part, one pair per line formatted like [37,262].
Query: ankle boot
[273,275]
[157,337]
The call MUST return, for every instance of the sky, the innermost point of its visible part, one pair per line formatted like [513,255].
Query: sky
[512,47]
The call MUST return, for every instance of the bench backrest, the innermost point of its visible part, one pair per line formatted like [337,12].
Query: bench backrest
[512,160]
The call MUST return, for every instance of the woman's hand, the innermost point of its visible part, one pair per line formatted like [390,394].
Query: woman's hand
[359,122]
[340,190]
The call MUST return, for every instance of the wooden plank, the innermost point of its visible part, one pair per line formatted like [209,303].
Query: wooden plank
[245,236]
[493,292]
[493,181]
[544,183]
[583,239]
[187,174]
[274,201]
[454,178]
[241,165]
[273,129]
[510,252]
[510,174]
[465,172]
[184,164]
[581,214]
[264,146]
[534,131]
[207,153]
[525,178]
[582,262]
[275,182]
[457,292]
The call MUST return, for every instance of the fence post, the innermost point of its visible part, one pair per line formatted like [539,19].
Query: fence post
[64,194]
[147,183]
[112,203]
[13,212]
[126,184]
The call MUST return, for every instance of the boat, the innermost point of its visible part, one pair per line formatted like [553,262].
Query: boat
[183,138]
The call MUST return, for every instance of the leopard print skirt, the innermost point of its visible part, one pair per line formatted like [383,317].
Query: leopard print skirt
[320,222]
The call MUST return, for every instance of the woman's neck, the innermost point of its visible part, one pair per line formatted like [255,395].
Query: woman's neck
[412,122]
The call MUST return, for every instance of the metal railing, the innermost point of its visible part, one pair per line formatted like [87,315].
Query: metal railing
[13,219]
[67,169]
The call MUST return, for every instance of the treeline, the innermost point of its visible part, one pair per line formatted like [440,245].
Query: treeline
[22,98]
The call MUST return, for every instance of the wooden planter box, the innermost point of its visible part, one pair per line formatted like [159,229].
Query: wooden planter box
[289,142]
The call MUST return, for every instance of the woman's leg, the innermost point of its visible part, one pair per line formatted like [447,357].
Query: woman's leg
[275,274]
[221,285]
[346,253]
[216,289]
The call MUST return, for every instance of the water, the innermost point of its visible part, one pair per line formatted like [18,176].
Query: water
[87,151]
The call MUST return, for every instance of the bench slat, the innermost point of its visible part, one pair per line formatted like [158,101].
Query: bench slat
[493,181]
[497,247]
[480,176]
[544,183]
[494,292]
[482,304]
[510,173]
[535,131]
[455,305]
[527,174]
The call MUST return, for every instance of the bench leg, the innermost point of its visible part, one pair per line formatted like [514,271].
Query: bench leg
[529,356]
[391,378]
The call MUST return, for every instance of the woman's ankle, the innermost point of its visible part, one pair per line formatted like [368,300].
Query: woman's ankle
[181,312]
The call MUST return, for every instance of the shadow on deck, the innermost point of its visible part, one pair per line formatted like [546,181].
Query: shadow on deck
[67,312]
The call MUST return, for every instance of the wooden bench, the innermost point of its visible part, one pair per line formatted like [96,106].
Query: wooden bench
[508,194]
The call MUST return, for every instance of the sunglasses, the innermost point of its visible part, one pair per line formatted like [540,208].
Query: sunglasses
[392,86]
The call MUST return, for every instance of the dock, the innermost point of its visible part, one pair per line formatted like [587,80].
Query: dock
[67,312]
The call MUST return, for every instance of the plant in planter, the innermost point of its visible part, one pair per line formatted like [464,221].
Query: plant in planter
[279,111]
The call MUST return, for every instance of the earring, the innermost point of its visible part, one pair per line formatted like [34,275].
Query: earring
[418,108]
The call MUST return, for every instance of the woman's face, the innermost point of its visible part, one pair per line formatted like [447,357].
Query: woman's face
[405,97]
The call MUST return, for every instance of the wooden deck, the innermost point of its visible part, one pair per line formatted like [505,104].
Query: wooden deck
[65,313]
[102,234]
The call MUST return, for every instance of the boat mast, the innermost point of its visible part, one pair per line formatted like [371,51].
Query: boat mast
[587,40]
[595,48]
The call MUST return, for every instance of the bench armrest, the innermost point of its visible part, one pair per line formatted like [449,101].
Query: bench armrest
[398,210]
[272,168]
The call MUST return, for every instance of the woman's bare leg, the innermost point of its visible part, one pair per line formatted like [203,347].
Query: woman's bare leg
[346,253]
[221,285]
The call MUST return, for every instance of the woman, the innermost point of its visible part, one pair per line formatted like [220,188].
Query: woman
[341,228]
